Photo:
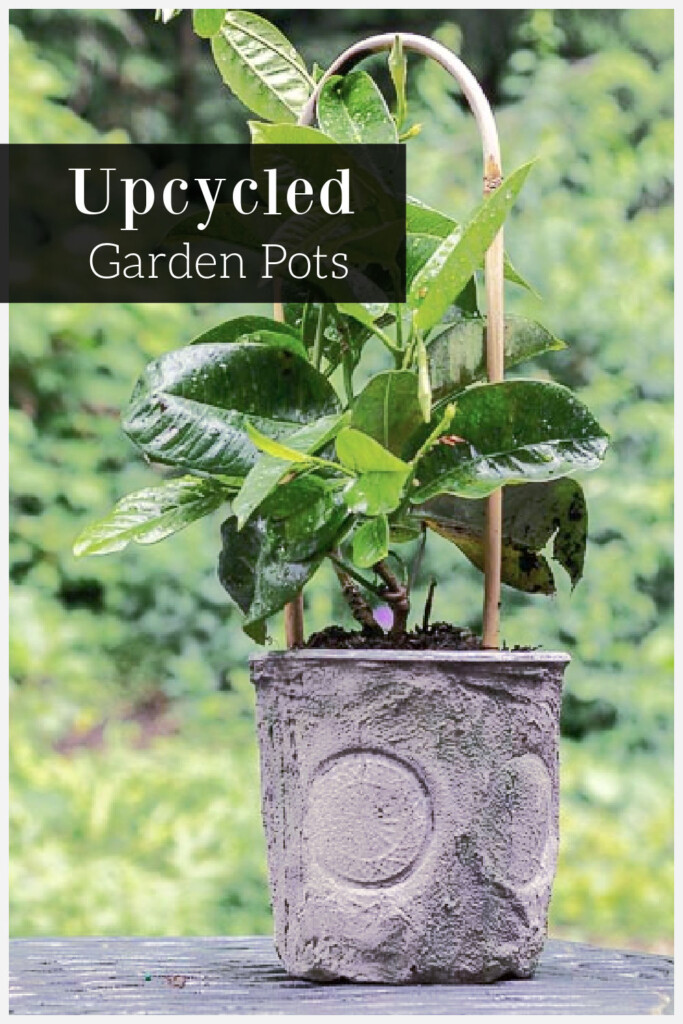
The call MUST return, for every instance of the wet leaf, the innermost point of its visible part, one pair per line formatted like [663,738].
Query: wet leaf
[191,407]
[370,542]
[150,515]
[388,409]
[256,329]
[267,563]
[381,476]
[533,514]
[457,354]
[513,432]
[351,109]
[206,22]
[264,477]
[259,64]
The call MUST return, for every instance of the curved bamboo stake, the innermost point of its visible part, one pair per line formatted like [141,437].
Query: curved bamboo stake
[493,265]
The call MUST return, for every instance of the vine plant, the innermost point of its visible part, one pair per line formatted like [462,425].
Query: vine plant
[264,417]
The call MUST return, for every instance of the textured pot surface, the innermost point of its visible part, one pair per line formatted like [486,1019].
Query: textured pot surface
[410,803]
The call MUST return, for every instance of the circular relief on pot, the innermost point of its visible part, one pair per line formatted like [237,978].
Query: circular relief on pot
[517,822]
[369,817]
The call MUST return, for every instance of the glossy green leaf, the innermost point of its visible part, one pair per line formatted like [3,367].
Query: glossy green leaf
[533,514]
[259,64]
[426,228]
[381,475]
[207,21]
[460,254]
[373,493]
[351,109]
[257,330]
[388,409]
[457,354]
[362,454]
[190,408]
[149,515]
[370,542]
[513,275]
[513,432]
[275,448]
[269,470]
[287,135]
[267,563]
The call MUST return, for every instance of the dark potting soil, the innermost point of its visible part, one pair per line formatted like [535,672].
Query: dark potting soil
[440,636]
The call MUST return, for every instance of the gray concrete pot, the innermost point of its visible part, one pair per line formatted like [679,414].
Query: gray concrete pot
[410,803]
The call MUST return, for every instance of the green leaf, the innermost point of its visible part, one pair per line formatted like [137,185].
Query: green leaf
[275,448]
[460,254]
[207,22]
[266,564]
[287,135]
[426,228]
[371,542]
[374,493]
[513,275]
[191,408]
[148,516]
[398,69]
[362,454]
[269,470]
[513,432]
[352,109]
[259,330]
[259,64]
[388,409]
[532,515]
[381,475]
[368,313]
[457,355]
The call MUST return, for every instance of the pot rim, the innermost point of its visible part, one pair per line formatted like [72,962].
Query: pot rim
[486,656]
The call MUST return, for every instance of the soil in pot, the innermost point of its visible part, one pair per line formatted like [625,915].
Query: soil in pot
[441,636]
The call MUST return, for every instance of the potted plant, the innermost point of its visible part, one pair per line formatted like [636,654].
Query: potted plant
[410,781]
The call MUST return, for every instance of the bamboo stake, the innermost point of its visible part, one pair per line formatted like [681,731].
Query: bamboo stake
[493,265]
[294,611]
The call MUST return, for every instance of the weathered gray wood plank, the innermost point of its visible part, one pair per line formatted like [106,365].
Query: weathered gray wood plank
[243,975]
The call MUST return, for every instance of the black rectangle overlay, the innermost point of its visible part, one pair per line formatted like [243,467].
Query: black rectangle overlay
[205,223]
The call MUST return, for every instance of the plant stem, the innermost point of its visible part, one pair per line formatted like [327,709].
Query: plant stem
[339,562]
[399,325]
[397,597]
[319,335]
[417,561]
[428,605]
[360,609]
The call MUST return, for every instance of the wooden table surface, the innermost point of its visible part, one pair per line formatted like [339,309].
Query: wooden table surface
[243,975]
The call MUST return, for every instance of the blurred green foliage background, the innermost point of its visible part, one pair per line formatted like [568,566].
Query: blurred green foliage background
[134,775]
